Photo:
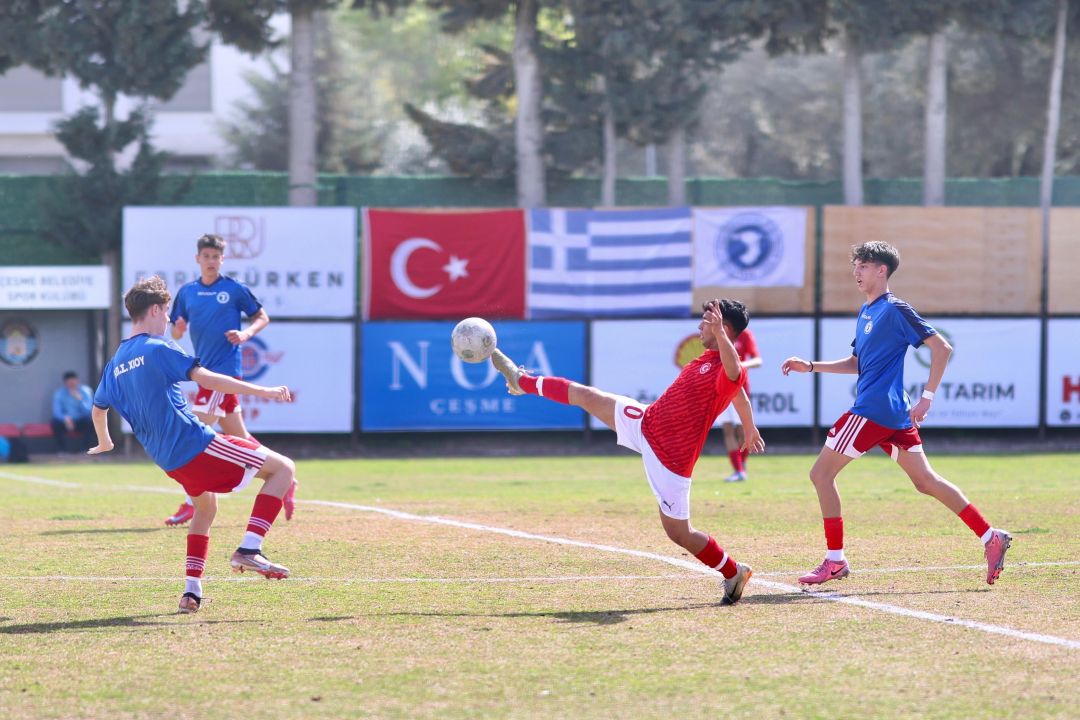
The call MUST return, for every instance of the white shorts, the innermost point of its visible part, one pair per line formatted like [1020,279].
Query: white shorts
[672,491]
[730,415]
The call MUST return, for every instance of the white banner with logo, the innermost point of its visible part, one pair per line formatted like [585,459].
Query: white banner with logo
[1063,373]
[982,387]
[54,287]
[749,247]
[642,358]
[299,262]
[315,361]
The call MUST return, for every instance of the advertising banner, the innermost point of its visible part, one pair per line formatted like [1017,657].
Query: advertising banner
[54,287]
[749,247]
[981,387]
[413,381]
[1063,373]
[428,265]
[315,361]
[641,358]
[299,262]
[609,263]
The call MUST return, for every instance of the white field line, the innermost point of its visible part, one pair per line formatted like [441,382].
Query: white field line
[699,568]
[363,580]
[677,562]
[38,481]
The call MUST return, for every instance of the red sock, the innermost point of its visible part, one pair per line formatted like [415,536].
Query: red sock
[264,513]
[736,461]
[552,388]
[745,454]
[714,556]
[834,533]
[197,548]
[974,520]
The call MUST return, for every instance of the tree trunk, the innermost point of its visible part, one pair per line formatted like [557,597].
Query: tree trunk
[936,108]
[528,128]
[1053,112]
[853,181]
[676,178]
[607,184]
[302,111]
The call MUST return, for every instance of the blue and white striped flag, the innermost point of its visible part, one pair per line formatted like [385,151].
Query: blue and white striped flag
[610,263]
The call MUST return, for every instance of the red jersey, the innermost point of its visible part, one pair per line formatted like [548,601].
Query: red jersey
[746,346]
[677,424]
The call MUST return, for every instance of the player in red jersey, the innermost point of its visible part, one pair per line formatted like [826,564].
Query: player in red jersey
[730,423]
[670,433]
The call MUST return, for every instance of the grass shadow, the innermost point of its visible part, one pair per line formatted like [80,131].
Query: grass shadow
[579,617]
[120,621]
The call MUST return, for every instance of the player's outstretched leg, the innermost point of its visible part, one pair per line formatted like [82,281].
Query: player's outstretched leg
[519,382]
[509,370]
[279,473]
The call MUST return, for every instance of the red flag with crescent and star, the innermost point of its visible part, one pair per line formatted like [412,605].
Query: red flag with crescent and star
[444,265]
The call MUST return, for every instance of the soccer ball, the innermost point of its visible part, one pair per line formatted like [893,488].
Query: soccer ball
[473,340]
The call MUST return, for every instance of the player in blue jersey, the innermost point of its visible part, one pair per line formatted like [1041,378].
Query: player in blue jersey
[882,414]
[212,307]
[141,382]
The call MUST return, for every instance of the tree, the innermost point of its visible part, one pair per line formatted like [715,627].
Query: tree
[113,47]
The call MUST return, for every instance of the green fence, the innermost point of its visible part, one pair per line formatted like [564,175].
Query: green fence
[21,219]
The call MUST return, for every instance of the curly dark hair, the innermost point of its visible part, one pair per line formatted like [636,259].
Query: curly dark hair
[143,295]
[878,252]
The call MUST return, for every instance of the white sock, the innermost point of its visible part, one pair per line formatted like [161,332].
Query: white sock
[987,535]
[193,585]
[835,555]
[187,500]
[251,541]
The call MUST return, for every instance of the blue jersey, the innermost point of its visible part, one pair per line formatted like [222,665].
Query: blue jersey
[211,311]
[883,332]
[140,382]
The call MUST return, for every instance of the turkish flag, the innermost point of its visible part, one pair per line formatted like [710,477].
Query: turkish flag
[444,265]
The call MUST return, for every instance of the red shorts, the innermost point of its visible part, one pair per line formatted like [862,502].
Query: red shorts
[214,403]
[228,463]
[853,435]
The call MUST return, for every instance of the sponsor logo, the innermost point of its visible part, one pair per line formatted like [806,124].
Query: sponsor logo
[256,359]
[688,350]
[18,343]
[245,237]
[749,247]
[1069,387]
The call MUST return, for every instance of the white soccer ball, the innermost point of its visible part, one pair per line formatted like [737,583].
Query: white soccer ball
[473,340]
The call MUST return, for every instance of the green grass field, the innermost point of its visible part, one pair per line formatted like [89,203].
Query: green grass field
[391,616]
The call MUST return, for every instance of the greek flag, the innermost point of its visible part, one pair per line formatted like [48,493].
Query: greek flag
[610,263]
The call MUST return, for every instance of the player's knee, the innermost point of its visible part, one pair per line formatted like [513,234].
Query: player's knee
[925,482]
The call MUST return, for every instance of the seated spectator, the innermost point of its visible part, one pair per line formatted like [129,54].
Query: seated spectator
[71,413]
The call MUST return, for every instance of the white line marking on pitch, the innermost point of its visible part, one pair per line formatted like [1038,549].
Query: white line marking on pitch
[677,562]
[39,481]
[699,568]
[363,580]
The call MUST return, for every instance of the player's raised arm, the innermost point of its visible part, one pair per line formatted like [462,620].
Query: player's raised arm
[100,417]
[223,383]
[729,356]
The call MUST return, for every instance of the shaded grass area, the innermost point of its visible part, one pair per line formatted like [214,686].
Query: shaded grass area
[388,618]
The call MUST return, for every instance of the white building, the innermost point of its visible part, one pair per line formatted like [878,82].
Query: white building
[186,125]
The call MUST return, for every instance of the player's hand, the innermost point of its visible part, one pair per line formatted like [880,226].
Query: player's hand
[180,325]
[280,393]
[101,447]
[919,412]
[752,440]
[795,364]
[237,337]
[713,320]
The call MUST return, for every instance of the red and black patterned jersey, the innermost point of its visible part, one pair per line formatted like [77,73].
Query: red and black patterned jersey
[677,424]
